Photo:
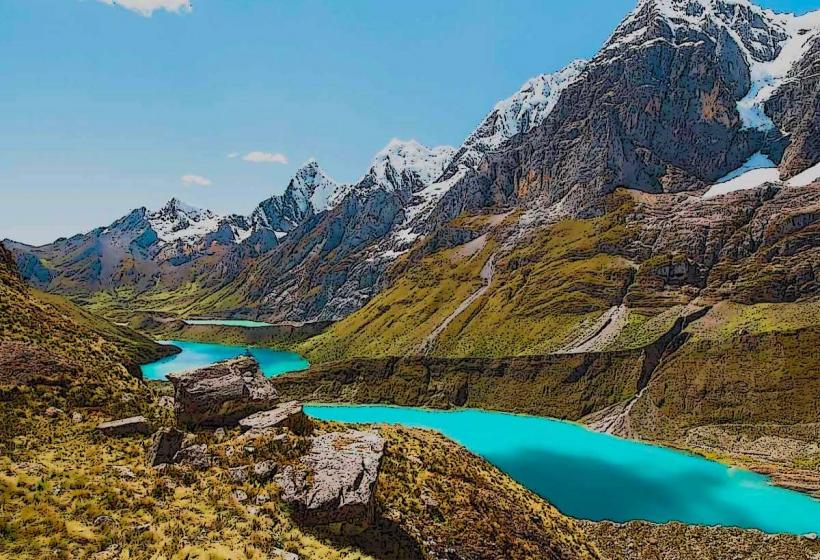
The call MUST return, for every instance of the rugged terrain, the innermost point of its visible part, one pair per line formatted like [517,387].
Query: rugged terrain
[632,242]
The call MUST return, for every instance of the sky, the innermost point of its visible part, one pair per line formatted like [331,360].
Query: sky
[108,106]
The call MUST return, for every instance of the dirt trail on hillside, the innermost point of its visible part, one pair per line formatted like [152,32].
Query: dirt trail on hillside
[487,272]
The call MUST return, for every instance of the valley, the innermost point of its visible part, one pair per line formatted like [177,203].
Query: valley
[589,331]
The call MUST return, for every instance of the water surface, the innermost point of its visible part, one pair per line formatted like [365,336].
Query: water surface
[200,354]
[228,323]
[594,476]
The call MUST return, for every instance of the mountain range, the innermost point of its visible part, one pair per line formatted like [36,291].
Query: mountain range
[686,96]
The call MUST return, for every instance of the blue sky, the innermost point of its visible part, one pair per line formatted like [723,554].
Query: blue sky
[104,109]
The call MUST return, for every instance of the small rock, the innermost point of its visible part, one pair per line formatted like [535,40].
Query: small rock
[239,475]
[167,442]
[195,455]
[264,471]
[286,415]
[76,417]
[56,489]
[123,472]
[166,402]
[430,502]
[810,536]
[262,498]
[189,440]
[102,520]
[239,495]
[284,554]
[53,411]
[142,527]
[126,426]
[110,553]
[219,434]
[252,510]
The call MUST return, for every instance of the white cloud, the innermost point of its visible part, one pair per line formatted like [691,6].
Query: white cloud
[148,7]
[233,155]
[195,180]
[265,157]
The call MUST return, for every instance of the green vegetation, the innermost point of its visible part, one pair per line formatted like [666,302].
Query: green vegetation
[397,321]
[544,289]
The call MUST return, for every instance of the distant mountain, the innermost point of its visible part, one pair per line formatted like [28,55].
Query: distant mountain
[309,192]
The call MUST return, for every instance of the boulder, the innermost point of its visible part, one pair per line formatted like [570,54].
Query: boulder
[167,442]
[286,415]
[336,481]
[221,394]
[126,426]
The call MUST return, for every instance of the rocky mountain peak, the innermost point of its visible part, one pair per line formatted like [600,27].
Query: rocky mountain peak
[178,220]
[311,185]
[769,43]
[408,166]
[520,112]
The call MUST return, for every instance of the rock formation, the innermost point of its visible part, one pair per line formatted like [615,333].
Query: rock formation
[286,415]
[335,482]
[221,394]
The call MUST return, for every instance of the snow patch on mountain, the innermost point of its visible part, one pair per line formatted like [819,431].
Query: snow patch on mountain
[757,171]
[806,178]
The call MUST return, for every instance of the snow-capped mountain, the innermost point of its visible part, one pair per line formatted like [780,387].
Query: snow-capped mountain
[406,167]
[770,43]
[309,192]
[180,221]
[519,113]
[525,109]
[698,96]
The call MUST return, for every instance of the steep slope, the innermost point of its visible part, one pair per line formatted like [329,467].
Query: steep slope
[392,202]
[673,101]
[75,357]
[309,192]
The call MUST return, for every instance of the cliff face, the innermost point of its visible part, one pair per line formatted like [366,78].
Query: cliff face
[795,108]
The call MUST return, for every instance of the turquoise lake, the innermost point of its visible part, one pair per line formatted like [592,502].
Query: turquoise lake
[228,323]
[200,354]
[594,476]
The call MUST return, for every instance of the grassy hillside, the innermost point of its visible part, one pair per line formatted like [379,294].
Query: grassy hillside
[550,284]
[53,353]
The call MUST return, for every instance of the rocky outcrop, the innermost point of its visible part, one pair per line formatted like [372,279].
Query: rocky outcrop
[126,426]
[286,415]
[221,394]
[336,481]
[167,442]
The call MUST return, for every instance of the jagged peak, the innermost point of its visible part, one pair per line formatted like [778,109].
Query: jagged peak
[410,156]
[521,112]
[175,205]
